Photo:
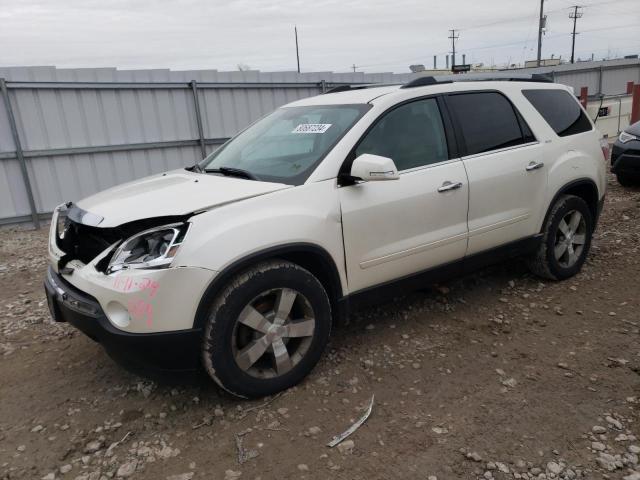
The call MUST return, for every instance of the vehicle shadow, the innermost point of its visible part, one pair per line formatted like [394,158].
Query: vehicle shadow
[440,297]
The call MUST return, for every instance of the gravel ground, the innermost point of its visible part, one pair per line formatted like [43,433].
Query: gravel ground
[496,375]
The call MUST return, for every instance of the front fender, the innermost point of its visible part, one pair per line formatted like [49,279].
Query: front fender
[306,214]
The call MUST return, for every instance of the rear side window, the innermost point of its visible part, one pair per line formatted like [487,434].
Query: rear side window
[561,111]
[487,121]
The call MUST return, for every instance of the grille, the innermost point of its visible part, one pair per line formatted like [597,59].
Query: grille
[85,243]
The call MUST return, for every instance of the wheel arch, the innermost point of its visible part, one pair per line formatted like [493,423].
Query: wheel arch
[584,188]
[312,257]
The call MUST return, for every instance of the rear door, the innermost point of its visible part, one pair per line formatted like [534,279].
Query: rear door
[505,166]
[394,228]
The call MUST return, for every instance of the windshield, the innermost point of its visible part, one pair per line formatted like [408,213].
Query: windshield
[287,145]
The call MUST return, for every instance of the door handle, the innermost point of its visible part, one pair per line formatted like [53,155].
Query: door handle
[534,166]
[446,186]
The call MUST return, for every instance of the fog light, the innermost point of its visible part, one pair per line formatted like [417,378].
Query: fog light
[118,314]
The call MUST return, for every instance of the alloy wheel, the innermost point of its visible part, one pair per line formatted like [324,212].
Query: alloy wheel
[273,333]
[571,237]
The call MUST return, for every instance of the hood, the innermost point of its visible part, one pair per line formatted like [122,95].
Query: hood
[179,192]
[633,129]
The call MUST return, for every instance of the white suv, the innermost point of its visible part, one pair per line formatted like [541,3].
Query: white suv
[241,263]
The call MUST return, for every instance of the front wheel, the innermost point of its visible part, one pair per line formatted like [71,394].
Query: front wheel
[566,239]
[267,329]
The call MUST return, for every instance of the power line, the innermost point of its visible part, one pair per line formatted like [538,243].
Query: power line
[511,20]
[575,15]
[530,30]
[516,43]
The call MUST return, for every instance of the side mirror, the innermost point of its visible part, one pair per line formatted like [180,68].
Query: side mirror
[372,168]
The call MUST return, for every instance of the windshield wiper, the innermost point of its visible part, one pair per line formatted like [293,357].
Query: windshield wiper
[232,172]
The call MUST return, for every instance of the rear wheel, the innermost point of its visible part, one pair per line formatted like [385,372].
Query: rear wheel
[267,329]
[566,240]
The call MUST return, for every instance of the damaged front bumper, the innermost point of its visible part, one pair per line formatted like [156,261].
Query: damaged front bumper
[134,300]
[157,351]
[143,317]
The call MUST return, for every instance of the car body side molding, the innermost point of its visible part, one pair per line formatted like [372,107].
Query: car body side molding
[386,291]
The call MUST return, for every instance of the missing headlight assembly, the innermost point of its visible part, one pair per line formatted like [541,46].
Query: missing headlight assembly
[75,235]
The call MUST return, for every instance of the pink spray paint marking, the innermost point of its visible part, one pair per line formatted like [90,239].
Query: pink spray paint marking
[150,286]
[127,284]
[140,309]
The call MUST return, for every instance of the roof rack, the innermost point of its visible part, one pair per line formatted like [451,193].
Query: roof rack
[477,77]
[359,86]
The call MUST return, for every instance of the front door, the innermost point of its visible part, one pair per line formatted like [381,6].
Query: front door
[394,228]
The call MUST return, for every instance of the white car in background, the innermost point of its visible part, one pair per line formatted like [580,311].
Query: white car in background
[241,263]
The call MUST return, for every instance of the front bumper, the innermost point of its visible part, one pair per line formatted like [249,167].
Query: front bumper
[626,158]
[157,351]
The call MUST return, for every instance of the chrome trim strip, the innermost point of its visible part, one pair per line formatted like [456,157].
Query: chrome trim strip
[500,150]
[412,251]
[497,225]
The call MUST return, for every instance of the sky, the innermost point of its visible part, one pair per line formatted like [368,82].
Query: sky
[375,35]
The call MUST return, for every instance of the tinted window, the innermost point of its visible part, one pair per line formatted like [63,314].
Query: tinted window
[487,120]
[527,134]
[411,135]
[561,111]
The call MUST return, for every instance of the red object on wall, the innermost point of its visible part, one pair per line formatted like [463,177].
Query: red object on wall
[635,104]
[629,88]
[584,92]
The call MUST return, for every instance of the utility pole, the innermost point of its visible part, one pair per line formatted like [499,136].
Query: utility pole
[354,67]
[453,38]
[541,25]
[575,15]
[295,30]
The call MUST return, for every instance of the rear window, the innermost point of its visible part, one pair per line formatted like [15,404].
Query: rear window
[488,121]
[561,111]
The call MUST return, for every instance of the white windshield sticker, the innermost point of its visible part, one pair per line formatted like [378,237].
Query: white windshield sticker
[311,128]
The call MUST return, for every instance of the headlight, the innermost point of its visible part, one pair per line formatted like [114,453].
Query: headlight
[626,137]
[154,248]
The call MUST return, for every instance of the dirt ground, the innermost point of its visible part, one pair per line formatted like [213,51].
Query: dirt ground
[497,375]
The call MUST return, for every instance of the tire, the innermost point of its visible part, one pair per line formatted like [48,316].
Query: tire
[627,180]
[244,336]
[560,254]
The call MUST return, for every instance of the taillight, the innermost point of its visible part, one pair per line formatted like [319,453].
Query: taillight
[604,145]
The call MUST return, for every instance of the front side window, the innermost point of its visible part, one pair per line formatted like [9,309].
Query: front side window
[487,121]
[561,111]
[287,145]
[412,135]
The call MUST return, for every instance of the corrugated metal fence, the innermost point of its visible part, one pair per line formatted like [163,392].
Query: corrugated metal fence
[71,133]
[606,77]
